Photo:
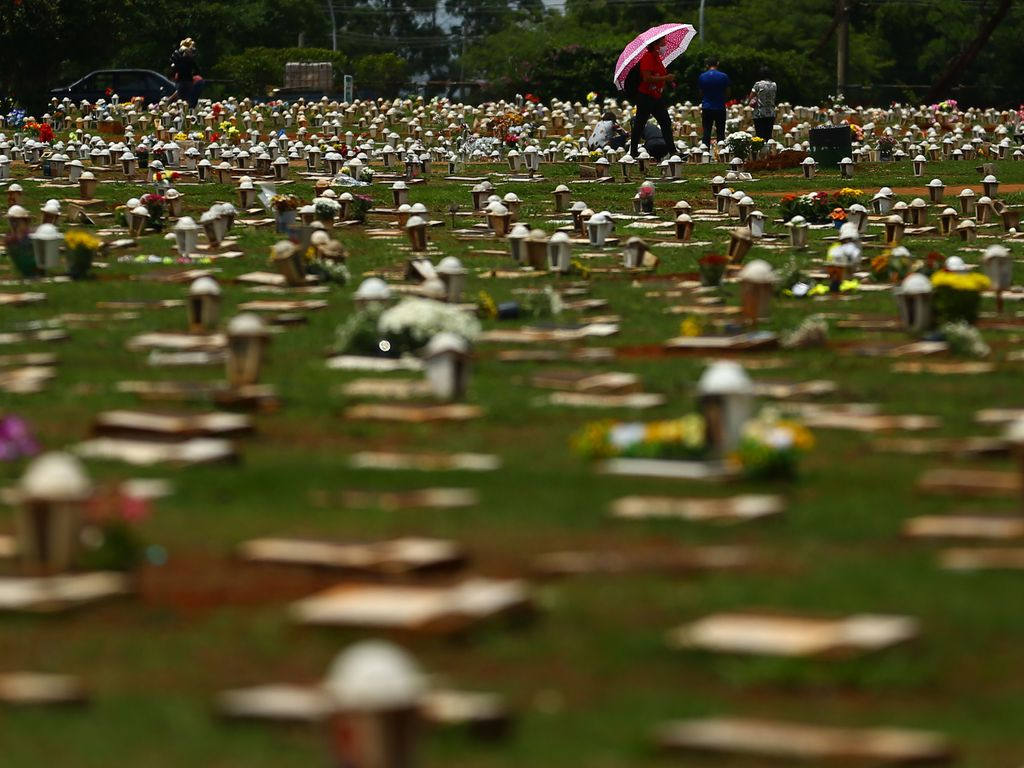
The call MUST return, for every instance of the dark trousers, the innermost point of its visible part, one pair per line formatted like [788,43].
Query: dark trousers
[763,126]
[715,117]
[646,108]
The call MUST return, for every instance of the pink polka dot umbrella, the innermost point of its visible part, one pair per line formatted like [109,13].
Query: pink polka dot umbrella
[677,38]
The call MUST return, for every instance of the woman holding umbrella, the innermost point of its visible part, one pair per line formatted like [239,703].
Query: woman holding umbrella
[649,103]
[647,55]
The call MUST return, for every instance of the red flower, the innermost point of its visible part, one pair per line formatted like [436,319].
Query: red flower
[531,98]
[108,91]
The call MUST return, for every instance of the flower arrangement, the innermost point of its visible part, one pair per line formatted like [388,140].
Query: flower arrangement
[166,176]
[109,538]
[359,207]
[155,204]
[16,438]
[812,332]
[81,249]
[946,107]
[739,144]
[957,295]
[282,203]
[771,447]
[857,131]
[19,251]
[326,209]
[328,270]
[682,438]
[15,118]
[886,145]
[413,322]
[818,207]
[39,131]
[711,267]
[890,266]
[964,340]
[537,305]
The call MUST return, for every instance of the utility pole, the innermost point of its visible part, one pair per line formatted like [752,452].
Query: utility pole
[842,45]
[334,26]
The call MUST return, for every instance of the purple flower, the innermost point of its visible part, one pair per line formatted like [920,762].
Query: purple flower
[16,439]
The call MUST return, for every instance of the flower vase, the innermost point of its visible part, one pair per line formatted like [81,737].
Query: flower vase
[285,220]
[952,305]
[23,258]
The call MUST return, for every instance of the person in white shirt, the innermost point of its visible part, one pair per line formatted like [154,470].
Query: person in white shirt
[607,133]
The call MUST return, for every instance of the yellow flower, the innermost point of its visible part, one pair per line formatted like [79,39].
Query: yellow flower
[487,305]
[690,327]
[961,281]
[79,238]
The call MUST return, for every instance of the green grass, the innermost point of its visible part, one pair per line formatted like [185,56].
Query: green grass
[592,675]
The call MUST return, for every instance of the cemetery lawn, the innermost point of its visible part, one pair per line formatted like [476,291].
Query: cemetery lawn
[591,675]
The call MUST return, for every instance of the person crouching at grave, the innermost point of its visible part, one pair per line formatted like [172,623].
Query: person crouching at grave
[607,133]
[649,103]
[185,71]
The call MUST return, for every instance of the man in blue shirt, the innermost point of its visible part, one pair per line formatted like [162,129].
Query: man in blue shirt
[714,90]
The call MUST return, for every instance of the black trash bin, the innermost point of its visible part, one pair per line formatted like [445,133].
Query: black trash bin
[831,144]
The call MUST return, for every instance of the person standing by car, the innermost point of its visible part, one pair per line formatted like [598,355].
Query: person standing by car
[714,91]
[649,103]
[185,71]
[762,100]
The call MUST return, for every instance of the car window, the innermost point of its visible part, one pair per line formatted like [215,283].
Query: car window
[131,82]
[98,82]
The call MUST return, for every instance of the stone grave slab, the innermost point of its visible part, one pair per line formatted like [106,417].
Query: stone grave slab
[969,482]
[765,739]
[631,400]
[580,355]
[943,368]
[27,380]
[395,557]
[962,526]
[195,359]
[425,462]
[998,416]
[170,426]
[375,364]
[54,594]
[485,714]
[422,498]
[779,390]
[540,335]
[419,609]
[739,342]
[33,337]
[267,305]
[36,689]
[596,383]
[675,470]
[255,396]
[968,447]
[982,559]
[793,636]
[144,453]
[727,509]
[662,560]
[387,389]
[413,413]
[178,342]
[21,299]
